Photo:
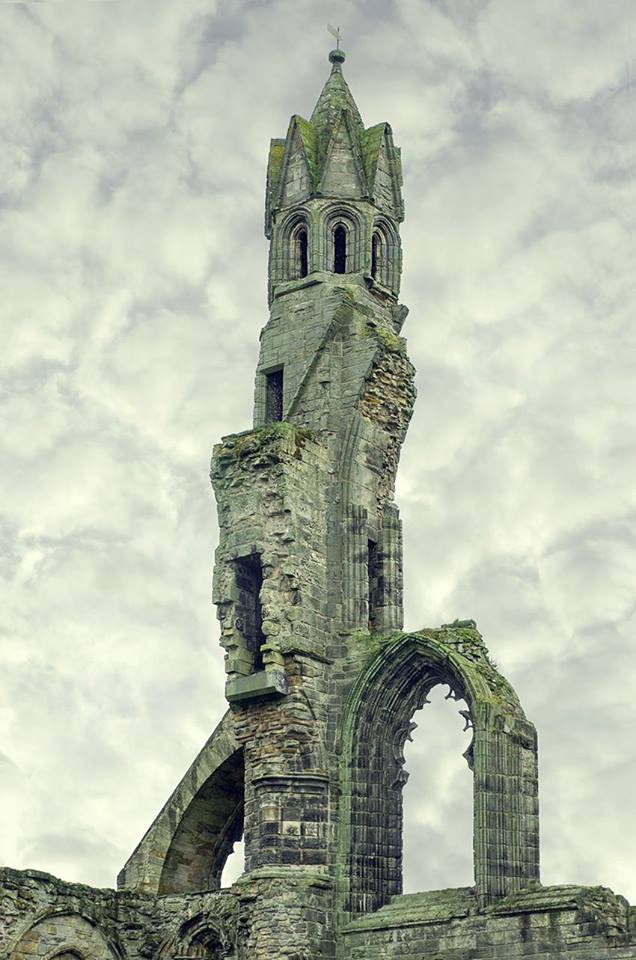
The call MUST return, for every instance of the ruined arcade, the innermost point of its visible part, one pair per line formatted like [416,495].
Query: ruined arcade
[321,679]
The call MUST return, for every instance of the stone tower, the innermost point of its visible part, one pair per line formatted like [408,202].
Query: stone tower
[321,679]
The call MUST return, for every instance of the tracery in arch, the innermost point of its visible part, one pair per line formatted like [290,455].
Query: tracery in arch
[208,936]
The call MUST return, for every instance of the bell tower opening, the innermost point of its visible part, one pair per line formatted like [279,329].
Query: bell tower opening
[340,249]
[303,249]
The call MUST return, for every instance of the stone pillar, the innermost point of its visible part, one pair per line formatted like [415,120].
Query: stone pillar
[506,824]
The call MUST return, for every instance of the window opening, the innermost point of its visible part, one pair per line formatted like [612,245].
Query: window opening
[274,396]
[339,250]
[303,264]
[375,584]
[375,243]
[249,616]
[438,797]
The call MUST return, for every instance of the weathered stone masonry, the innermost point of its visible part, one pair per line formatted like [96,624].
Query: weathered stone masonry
[321,679]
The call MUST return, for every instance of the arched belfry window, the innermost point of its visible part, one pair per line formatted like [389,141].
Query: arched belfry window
[302,252]
[344,239]
[376,246]
[290,249]
[340,249]
[385,255]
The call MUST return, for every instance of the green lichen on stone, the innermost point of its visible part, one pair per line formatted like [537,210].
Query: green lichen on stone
[364,645]
[386,337]
[461,641]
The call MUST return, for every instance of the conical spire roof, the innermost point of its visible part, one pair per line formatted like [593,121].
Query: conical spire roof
[335,97]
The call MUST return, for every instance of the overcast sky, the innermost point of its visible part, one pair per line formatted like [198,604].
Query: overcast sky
[134,145]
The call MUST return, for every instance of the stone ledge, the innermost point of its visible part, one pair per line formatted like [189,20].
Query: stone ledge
[294,875]
[256,686]
[418,909]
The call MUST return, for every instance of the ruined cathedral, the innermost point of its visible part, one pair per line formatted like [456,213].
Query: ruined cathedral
[307,764]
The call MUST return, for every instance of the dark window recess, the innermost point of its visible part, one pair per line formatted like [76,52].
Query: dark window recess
[375,243]
[375,584]
[274,396]
[249,617]
[340,250]
[303,263]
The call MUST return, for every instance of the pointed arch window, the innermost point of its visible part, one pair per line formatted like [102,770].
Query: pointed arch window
[376,246]
[302,251]
[340,249]
[385,255]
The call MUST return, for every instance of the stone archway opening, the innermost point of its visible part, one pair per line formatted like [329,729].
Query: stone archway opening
[437,798]
[502,753]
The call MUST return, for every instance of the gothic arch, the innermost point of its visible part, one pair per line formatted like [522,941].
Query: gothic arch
[502,756]
[347,217]
[386,241]
[64,935]
[285,263]
[209,935]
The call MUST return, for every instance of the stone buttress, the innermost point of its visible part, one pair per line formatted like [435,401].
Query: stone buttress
[321,679]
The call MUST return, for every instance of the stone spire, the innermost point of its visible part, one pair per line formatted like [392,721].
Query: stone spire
[335,98]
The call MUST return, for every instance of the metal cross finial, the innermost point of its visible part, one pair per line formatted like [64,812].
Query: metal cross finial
[335,32]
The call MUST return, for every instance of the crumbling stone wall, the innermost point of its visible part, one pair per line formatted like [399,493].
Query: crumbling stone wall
[270,486]
[43,917]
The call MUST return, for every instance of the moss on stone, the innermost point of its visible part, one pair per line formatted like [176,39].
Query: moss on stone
[263,440]
[386,337]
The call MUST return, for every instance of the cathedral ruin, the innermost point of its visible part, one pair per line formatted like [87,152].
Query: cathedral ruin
[322,682]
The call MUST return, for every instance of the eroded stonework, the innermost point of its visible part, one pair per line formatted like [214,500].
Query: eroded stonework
[322,681]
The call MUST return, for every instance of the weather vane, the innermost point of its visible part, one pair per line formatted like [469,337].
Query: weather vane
[335,32]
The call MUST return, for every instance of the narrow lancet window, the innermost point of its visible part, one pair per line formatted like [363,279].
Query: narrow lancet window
[249,617]
[375,246]
[274,396]
[340,250]
[303,262]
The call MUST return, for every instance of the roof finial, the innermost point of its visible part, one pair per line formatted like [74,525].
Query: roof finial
[337,55]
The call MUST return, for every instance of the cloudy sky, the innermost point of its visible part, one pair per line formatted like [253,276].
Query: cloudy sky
[135,136]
